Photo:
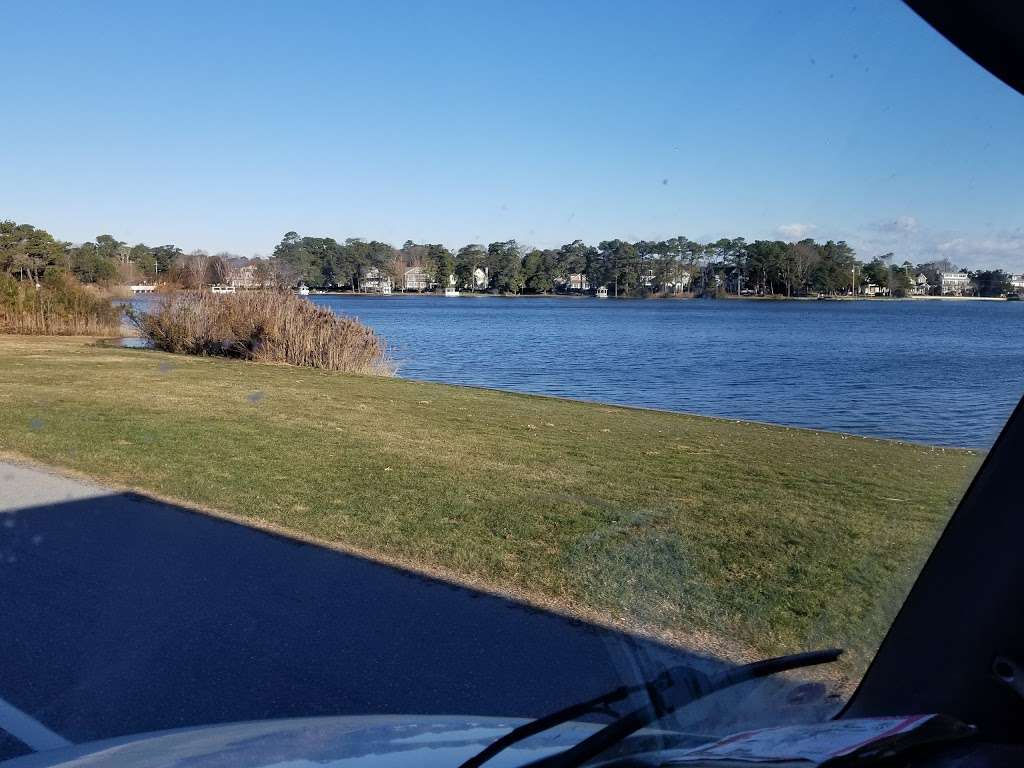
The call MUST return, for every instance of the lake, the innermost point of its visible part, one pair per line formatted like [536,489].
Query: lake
[941,372]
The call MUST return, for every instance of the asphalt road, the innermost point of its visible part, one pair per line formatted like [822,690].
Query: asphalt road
[121,615]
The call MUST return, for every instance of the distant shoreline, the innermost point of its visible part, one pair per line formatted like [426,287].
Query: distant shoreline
[578,296]
[875,299]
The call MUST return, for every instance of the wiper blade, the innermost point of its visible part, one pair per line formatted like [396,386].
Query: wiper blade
[549,721]
[683,684]
[679,696]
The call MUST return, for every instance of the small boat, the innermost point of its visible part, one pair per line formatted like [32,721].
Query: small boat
[303,290]
[218,288]
[602,292]
[1013,296]
[450,291]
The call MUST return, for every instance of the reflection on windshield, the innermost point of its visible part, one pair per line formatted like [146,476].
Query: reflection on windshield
[433,371]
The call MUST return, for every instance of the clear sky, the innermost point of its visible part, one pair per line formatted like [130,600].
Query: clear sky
[224,127]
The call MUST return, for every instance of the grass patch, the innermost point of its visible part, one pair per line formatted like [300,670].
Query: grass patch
[750,536]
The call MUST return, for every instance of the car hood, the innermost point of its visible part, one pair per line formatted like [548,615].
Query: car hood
[325,742]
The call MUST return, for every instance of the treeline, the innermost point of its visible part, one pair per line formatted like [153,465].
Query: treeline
[646,267]
[29,253]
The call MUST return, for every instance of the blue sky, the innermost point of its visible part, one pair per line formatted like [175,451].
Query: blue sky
[222,128]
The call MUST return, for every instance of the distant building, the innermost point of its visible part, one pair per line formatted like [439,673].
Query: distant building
[1017,282]
[679,283]
[920,286]
[578,282]
[373,280]
[954,283]
[415,279]
[245,277]
[870,289]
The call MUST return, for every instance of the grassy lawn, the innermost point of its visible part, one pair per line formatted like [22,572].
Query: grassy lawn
[731,536]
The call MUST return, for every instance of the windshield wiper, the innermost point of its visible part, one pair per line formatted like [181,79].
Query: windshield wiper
[670,690]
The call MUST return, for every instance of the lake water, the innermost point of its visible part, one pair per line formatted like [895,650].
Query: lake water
[942,372]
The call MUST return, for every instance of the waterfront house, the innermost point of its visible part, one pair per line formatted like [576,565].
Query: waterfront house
[954,283]
[245,277]
[1017,283]
[921,286]
[481,279]
[578,282]
[373,280]
[415,279]
[679,283]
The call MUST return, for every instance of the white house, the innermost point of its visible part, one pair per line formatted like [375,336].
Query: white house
[245,277]
[954,283]
[415,279]
[920,286]
[578,282]
[870,289]
[1017,282]
[480,279]
[679,283]
[372,280]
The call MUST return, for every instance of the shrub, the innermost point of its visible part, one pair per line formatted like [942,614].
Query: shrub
[264,326]
[60,306]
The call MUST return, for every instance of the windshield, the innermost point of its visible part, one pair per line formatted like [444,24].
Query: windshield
[471,361]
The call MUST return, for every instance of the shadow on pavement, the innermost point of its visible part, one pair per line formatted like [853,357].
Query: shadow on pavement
[122,615]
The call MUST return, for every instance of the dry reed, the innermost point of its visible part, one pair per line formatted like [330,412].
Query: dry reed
[263,326]
[60,306]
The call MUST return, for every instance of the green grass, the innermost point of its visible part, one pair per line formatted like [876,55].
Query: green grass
[732,536]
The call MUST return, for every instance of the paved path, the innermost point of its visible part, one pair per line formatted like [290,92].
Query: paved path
[119,615]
